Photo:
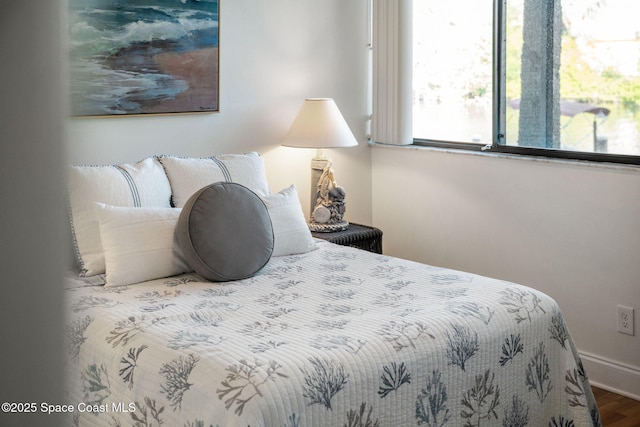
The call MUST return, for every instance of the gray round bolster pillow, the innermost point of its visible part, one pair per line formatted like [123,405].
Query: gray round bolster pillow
[225,232]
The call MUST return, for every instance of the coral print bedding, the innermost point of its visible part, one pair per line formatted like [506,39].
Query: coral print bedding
[334,336]
[303,333]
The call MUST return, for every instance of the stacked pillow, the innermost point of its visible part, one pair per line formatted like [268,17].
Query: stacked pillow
[188,175]
[292,235]
[143,184]
[124,217]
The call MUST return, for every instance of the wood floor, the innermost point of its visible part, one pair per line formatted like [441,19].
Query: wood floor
[616,410]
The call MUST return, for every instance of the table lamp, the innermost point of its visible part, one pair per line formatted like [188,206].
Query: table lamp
[319,124]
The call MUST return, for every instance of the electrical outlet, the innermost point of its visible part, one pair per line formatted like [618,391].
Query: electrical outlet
[625,320]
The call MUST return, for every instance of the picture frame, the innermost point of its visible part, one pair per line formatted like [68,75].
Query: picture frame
[143,57]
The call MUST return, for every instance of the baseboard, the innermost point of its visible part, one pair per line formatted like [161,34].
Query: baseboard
[612,376]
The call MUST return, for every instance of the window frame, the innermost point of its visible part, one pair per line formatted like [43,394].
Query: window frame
[497,144]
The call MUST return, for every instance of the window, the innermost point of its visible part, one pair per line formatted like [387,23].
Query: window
[555,78]
[452,71]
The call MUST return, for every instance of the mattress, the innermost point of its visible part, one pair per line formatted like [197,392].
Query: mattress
[334,337]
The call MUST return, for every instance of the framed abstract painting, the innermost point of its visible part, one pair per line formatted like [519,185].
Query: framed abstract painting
[143,56]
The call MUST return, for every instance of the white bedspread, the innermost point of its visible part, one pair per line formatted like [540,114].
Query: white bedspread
[334,337]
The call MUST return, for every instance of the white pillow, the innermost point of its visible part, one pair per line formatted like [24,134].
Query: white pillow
[142,184]
[290,229]
[139,244]
[188,175]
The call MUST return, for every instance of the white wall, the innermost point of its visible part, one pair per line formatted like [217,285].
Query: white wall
[272,56]
[567,229]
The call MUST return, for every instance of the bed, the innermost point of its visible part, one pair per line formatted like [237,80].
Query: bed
[320,335]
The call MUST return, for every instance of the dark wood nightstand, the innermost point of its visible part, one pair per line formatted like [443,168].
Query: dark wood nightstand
[357,236]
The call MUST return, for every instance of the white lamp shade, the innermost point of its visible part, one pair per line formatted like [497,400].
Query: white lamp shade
[319,124]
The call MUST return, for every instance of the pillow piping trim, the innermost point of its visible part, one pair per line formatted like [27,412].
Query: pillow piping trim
[74,240]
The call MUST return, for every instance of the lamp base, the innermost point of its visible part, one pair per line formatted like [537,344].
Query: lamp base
[327,198]
[328,228]
[318,163]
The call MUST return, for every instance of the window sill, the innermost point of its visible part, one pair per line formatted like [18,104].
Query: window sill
[621,167]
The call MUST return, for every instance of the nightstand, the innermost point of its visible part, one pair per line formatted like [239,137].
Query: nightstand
[357,236]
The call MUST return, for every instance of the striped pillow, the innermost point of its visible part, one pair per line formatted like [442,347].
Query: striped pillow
[188,175]
[143,184]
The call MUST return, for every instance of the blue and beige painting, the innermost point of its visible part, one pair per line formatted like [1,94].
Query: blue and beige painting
[143,56]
